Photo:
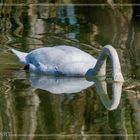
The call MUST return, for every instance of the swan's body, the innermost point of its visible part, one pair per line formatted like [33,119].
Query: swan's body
[70,61]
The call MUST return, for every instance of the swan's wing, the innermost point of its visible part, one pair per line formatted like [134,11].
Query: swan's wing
[20,55]
[38,68]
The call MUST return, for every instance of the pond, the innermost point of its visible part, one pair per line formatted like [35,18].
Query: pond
[46,107]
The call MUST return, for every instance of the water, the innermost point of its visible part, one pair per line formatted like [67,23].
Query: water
[31,107]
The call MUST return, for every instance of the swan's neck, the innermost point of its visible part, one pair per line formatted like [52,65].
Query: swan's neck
[100,67]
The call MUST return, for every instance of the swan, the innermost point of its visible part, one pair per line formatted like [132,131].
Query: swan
[70,61]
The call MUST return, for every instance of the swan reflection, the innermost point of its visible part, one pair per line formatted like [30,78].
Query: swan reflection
[59,85]
[101,89]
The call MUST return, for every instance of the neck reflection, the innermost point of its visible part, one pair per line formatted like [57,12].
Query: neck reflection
[101,89]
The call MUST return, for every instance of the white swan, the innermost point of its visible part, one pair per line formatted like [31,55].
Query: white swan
[70,61]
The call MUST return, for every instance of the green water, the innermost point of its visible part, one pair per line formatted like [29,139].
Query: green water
[29,109]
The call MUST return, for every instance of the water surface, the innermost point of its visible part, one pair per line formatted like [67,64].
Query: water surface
[35,107]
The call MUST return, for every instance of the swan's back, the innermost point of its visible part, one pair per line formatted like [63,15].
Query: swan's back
[65,60]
